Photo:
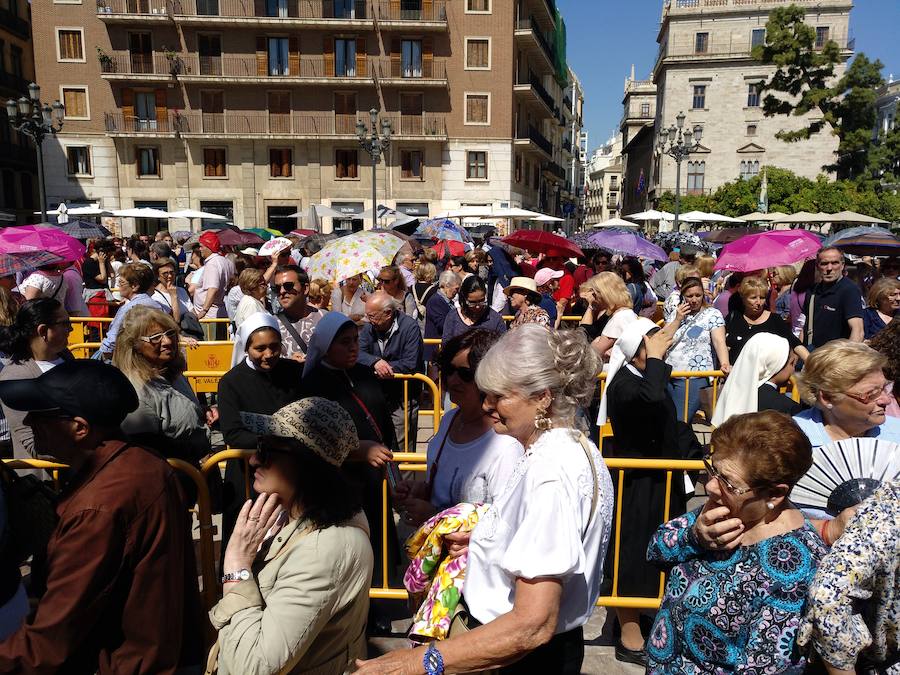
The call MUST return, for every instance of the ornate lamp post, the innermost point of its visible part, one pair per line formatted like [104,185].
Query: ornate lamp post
[32,118]
[678,143]
[375,145]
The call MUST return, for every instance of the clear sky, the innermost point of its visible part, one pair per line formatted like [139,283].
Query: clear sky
[605,37]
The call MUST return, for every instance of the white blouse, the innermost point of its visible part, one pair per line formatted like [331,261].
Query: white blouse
[536,528]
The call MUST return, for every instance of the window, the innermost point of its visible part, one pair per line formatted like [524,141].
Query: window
[278,56]
[70,44]
[701,43]
[148,162]
[751,130]
[76,102]
[224,209]
[346,164]
[214,165]
[480,6]
[478,54]
[281,162]
[821,36]
[695,176]
[345,57]
[411,162]
[752,95]
[345,112]
[276,8]
[476,165]
[78,160]
[212,106]
[518,169]
[209,48]
[346,9]
[411,58]
[749,169]
[757,37]
[645,110]
[208,7]
[478,109]
[145,111]
[140,51]
[279,112]
[15,60]
[699,101]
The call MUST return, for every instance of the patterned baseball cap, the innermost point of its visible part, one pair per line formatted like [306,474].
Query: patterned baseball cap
[321,425]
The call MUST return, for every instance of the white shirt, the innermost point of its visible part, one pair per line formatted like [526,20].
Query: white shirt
[536,528]
[474,472]
[164,299]
[618,322]
[50,286]
[215,274]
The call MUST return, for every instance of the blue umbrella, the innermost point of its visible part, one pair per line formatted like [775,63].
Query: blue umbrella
[442,228]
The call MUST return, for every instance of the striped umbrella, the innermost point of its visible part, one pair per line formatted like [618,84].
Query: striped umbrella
[865,240]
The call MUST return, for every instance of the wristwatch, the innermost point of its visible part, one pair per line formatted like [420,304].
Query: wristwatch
[433,661]
[240,575]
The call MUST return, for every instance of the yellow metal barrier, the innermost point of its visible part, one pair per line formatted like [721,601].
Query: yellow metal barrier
[434,413]
[80,332]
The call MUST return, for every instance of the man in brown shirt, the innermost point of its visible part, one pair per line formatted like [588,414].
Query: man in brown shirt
[121,593]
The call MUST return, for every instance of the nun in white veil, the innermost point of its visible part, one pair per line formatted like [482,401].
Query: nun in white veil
[645,426]
[765,363]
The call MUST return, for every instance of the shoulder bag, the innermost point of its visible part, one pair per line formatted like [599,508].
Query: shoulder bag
[31,509]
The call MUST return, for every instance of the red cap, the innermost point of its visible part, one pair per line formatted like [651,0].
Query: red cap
[211,241]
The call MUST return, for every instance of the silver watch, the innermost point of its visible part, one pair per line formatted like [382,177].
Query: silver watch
[240,575]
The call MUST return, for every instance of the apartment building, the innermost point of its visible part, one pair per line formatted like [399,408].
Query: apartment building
[604,188]
[704,69]
[18,164]
[249,108]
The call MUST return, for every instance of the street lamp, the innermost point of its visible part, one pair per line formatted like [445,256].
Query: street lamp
[32,118]
[375,145]
[678,143]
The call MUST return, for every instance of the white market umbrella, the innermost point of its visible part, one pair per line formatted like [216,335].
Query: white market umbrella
[652,214]
[759,217]
[141,213]
[466,212]
[616,222]
[801,217]
[704,217]
[853,217]
[190,214]
[544,218]
[90,210]
[383,212]
[515,213]
[322,211]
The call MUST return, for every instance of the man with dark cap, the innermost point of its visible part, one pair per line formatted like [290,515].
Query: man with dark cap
[215,278]
[120,581]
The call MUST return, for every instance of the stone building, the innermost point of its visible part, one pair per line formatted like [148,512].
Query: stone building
[18,164]
[604,191]
[249,109]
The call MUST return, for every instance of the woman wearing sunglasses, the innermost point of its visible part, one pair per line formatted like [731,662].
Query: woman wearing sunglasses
[473,311]
[737,607]
[169,417]
[467,460]
[298,566]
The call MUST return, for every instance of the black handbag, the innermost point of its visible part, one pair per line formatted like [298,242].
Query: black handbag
[31,515]
[190,326]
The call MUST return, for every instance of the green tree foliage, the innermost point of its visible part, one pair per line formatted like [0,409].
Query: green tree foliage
[790,193]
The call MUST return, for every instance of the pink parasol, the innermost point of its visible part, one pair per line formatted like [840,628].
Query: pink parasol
[768,249]
[32,238]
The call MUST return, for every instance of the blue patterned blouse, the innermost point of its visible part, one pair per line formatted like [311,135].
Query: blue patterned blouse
[731,611]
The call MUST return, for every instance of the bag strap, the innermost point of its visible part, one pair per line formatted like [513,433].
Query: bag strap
[590,458]
[369,416]
[808,326]
[293,331]
[437,458]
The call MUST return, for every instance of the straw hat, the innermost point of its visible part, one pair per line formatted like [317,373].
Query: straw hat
[524,284]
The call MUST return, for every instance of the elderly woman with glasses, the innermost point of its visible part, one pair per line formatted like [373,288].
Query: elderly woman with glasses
[473,311]
[737,607]
[169,418]
[391,281]
[298,565]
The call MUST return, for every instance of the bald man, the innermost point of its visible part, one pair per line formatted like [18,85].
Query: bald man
[391,344]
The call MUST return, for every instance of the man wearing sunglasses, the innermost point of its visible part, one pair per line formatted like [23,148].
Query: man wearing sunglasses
[297,319]
[391,343]
[120,578]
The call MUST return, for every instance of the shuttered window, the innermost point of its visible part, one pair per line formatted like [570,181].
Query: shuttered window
[214,165]
[281,162]
[75,101]
[148,162]
[70,45]
[476,165]
[477,50]
[411,164]
[478,5]
[346,163]
[477,108]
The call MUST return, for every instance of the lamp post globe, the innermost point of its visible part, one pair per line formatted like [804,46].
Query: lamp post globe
[678,143]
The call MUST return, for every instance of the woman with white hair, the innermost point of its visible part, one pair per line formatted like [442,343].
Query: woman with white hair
[766,362]
[535,559]
[643,416]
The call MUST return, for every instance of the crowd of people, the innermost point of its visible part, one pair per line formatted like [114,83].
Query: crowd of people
[325,387]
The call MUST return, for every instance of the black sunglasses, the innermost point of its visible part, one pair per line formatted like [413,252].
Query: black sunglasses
[464,373]
[288,286]
[265,452]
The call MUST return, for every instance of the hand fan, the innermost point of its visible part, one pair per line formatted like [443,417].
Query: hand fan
[838,469]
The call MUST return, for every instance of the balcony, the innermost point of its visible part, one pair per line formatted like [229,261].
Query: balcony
[14,24]
[273,12]
[708,6]
[528,32]
[533,88]
[247,69]
[534,140]
[408,13]
[132,11]
[555,170]
[431,72]
[196,123]
[140,67]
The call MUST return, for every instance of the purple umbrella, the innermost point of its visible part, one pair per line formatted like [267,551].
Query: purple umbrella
[31,238]
[10,263]
[627,243]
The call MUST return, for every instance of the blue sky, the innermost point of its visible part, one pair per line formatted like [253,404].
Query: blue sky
[604,38]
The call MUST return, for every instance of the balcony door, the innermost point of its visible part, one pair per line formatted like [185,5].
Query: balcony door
[209,49]
[279,112]
[208,7]
[412,107]
[411,10]
[411,58]
[145,111]
[140,50]
[345,112]
[345,57]
[277,8]
[278,57]
[212,104]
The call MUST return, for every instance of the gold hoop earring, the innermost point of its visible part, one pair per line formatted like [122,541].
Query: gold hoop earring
[541,421]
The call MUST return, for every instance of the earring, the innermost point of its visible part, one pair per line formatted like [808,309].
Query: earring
[771,506]
[541,421]
[829,405]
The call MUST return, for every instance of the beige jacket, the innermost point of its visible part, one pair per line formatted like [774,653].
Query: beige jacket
[304,609]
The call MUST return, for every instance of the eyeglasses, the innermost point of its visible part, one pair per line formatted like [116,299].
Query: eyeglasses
[157,338]
[382,280]
[714,472]
[870,396]
[476,305]
[464,373]
[288,286]
[265,452]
